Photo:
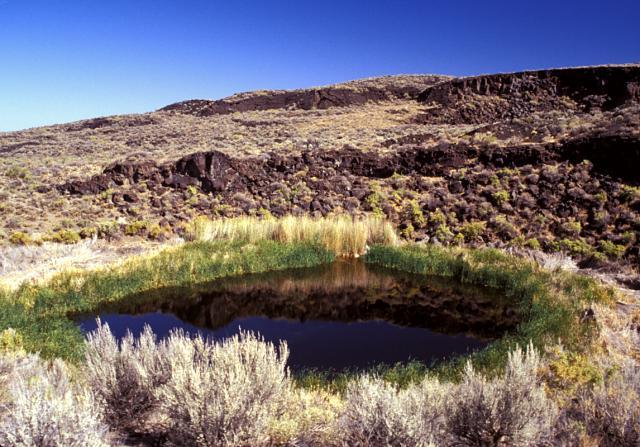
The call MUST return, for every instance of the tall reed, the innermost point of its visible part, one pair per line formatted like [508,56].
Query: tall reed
[346,236]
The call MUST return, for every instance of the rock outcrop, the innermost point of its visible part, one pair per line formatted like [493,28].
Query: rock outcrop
[347,94]
[488,98]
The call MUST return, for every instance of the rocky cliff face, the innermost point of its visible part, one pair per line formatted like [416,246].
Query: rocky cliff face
[481,99]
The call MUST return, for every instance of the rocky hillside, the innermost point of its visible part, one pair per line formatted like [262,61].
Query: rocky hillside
[354,93]
[544,159]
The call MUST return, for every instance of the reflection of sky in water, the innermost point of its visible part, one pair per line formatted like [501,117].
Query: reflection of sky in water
[314,343]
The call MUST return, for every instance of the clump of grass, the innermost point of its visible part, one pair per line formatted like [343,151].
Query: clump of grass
[344,235]
[63,237]
[22,238]
[473,230]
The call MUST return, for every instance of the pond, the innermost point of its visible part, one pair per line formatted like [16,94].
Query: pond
[344,315]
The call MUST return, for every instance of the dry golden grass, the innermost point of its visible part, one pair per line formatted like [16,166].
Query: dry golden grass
[344,235]
[38,263]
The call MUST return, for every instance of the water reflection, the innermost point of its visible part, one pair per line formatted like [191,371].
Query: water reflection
[346,314]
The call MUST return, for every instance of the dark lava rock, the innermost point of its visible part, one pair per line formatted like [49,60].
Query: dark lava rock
[511,95]
[130,197]
[307,99]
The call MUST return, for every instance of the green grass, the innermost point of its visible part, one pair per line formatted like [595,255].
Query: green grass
[40,313]
[549,303]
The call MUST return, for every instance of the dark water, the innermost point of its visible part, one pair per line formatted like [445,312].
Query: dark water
[333,317]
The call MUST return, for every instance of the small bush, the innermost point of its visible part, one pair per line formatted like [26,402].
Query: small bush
[309,419]
[10,341]
[533,244]
[17,172]
[444,234]
[612,250]
[156,232]
[500,197]
[64,237]
[610,411]
[503,227]
[571,228]
[512,410]
[124,376]
[473,230]
[108,230]
[222,394]
[136,228]
[88,232]
[46,410]
[629,193]
[414,212]
[375,414]
[374,201]
[576,247]
[21,238]
[437,217]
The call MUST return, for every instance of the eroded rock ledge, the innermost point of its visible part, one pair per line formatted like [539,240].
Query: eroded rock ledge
[487,98]
[615,155]
[347,94]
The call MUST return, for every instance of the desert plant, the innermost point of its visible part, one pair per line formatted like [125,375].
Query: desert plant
[64,237]
[15,364]
[512,410]
[45,410]
[437,217]
[610,410]
[428,404]
[136,228]
[473,230]
[309,419]
[124,375]
[500,197]
[376,414]
[222,394]
[415,214]
[611,249]
[21,238]
[10,341]
[108,230]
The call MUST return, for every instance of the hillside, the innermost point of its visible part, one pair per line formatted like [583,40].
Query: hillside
[543,159]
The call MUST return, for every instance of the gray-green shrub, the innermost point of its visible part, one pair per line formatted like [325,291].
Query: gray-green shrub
[222,394]
[125,375]
[44,409]
[512,410]
[611,410]
[376,413]
[209,394]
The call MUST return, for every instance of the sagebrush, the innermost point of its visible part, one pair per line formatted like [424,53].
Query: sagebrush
[43,408]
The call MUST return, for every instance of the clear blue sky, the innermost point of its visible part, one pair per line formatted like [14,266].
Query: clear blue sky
[68,60]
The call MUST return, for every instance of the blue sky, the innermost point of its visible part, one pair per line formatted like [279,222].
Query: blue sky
[68,60]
